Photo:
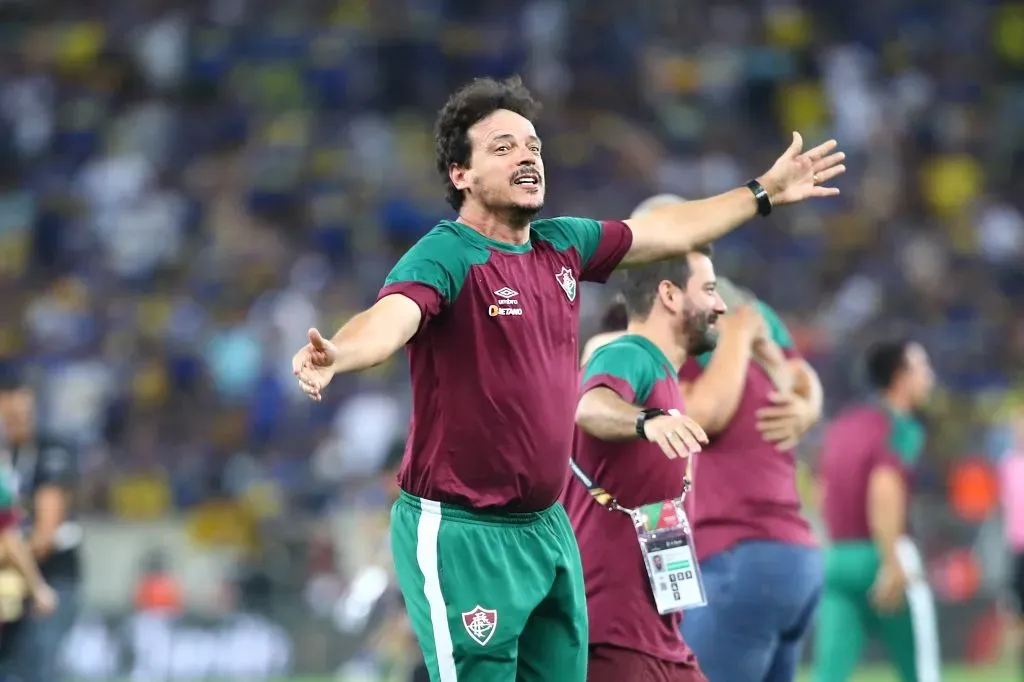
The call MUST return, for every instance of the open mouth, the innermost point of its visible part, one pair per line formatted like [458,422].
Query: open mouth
[529,179]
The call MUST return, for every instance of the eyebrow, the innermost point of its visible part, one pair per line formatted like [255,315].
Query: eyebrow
[509,137]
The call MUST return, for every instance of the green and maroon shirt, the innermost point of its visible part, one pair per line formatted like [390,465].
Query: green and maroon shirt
[620,605]
[746,489]
[494,362]
[857,441]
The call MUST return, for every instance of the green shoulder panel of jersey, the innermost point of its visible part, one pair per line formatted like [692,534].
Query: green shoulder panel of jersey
[776,327]
[906,437]
[440,259]
[582,234]
[630,359]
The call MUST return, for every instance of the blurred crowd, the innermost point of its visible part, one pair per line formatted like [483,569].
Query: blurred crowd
[186,186]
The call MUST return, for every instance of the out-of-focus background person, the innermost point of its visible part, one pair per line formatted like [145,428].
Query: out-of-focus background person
[185,186]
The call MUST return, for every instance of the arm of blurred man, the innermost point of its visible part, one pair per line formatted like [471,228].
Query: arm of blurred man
[20,556]
[887,496]
[674,230]
[713,397]
[798,400]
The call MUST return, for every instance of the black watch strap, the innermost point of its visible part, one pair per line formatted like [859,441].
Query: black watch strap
[642,418]
[764,203]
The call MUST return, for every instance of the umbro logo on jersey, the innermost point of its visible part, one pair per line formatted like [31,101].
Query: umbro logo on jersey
[506,292]
[507,303]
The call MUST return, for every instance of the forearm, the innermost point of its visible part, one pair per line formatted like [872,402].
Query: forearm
[605,416]
[674,230]
[886,512]
[374,335]
[713,398]
[21,557]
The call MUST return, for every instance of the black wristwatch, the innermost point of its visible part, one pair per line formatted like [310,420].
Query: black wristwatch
[641,419]
[764,202]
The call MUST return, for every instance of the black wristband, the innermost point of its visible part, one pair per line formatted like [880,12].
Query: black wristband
[764,204]
[642,418]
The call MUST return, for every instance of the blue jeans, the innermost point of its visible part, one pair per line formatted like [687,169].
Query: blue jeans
[761,601]
[35,644]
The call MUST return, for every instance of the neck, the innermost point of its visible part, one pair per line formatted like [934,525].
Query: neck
[661,337]
[497,226]
[898,401]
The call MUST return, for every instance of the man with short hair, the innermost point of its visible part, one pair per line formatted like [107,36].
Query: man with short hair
[673,308]
[487,305]
[755,398]
[875,584]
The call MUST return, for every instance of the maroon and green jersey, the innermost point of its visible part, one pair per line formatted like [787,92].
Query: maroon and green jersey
[620,605]
[746,489]
[857,441]
[494,362]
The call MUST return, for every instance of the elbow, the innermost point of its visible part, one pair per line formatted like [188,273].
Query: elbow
[582,418]
[586,418]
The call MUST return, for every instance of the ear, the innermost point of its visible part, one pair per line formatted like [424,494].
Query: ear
[666,293]
[457,174]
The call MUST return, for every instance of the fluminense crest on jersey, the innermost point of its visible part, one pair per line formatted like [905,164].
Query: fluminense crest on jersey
[567,282]
[480,623]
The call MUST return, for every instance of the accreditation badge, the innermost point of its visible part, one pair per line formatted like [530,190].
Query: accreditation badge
[666,543]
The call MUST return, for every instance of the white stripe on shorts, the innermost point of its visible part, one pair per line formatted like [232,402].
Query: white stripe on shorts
[923,619]
[427,531]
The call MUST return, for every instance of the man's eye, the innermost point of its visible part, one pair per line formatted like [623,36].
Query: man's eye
[502,148]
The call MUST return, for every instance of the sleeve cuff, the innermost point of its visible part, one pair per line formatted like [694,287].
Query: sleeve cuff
[428,298]
[620,386]
[616,239]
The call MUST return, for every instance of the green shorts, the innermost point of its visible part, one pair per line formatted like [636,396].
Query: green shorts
[846,618]
[492,597]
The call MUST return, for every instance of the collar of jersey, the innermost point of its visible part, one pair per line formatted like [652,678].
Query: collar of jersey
[652,348]
[489,243]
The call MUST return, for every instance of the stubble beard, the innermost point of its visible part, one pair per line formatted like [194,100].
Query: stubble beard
[510,212]
[700,338]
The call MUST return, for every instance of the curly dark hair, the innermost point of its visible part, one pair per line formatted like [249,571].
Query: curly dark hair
[468,105]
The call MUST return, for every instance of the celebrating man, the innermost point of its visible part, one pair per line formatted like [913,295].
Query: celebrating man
[672,308]
[485,557]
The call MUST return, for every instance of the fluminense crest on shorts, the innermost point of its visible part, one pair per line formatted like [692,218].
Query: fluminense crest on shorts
[567,282]
[480,623]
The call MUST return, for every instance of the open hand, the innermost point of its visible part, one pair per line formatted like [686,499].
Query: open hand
[799,175]
[314,364]
[676,434]
[785,421]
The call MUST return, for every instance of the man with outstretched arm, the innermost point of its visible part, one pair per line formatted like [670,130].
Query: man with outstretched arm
[672,307]
[487,306]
